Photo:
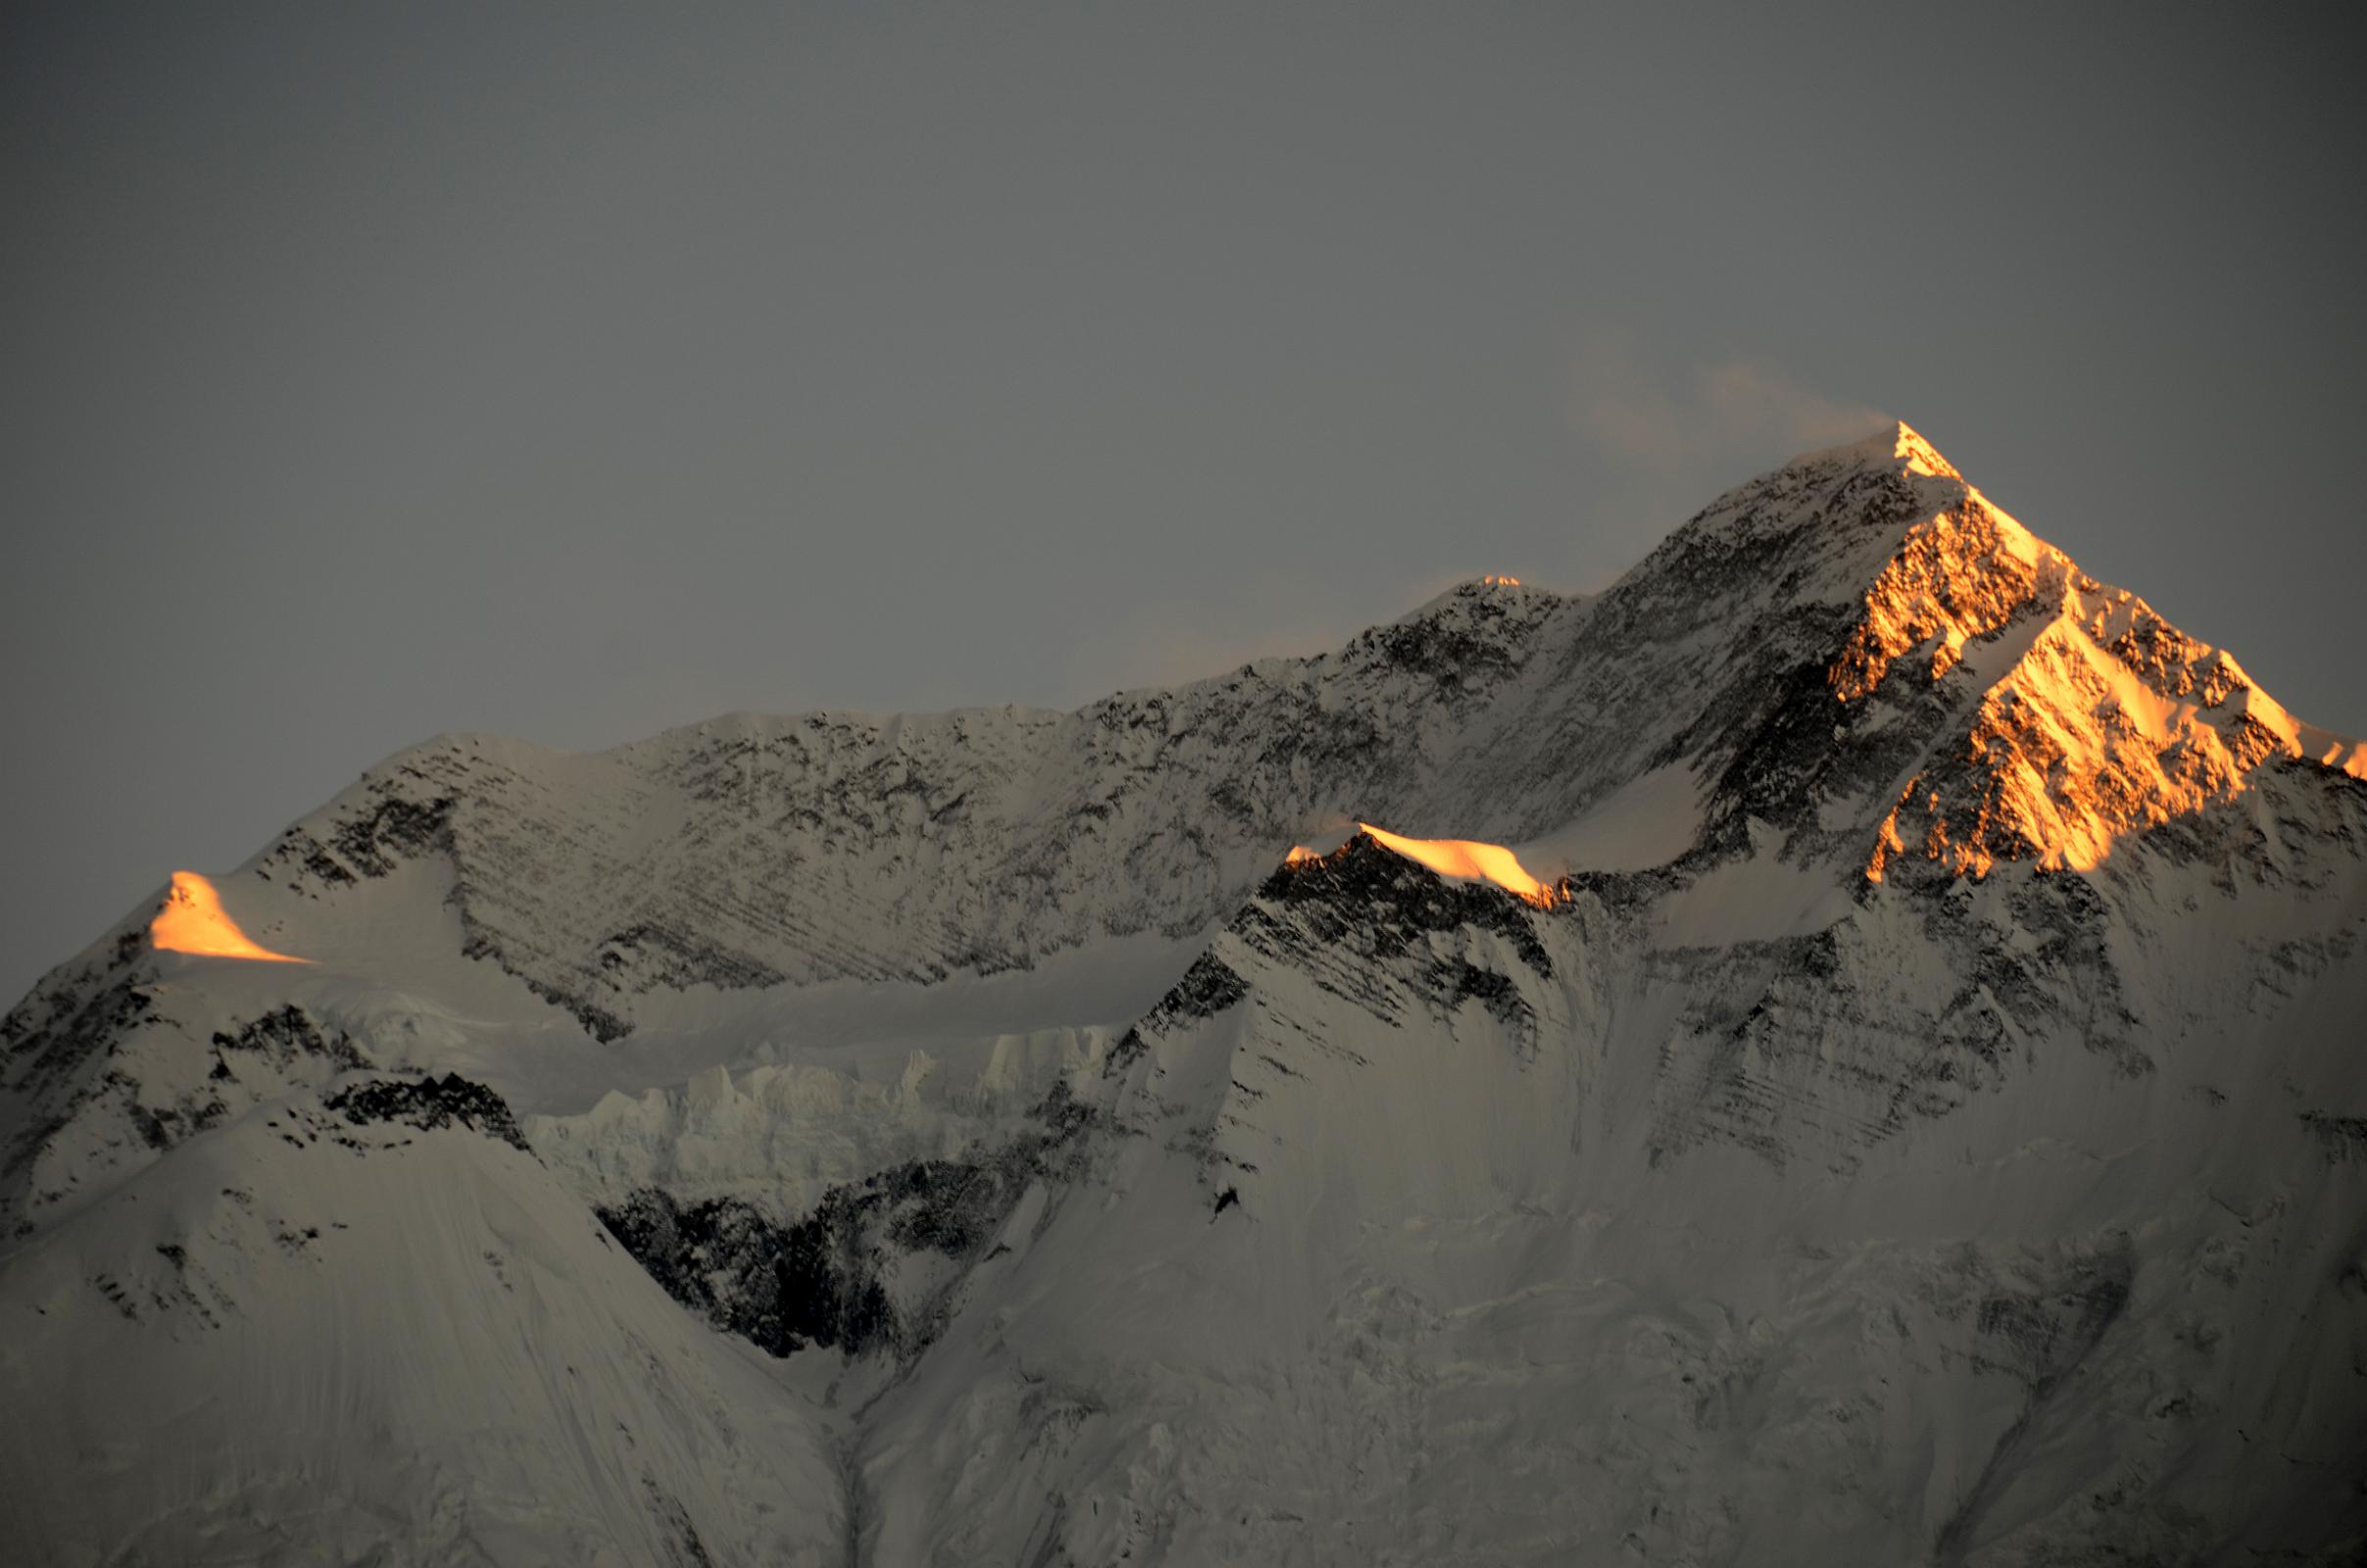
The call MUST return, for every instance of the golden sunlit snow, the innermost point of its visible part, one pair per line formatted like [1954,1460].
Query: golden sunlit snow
[1462,857]
[193,921]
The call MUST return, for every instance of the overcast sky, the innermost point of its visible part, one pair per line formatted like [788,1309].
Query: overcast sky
[574,372]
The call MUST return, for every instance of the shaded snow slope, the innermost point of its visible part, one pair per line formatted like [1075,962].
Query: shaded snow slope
[1913,1114]
[1452,1228]
[355,1328]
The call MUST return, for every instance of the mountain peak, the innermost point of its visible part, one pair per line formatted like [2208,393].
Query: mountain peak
[1493,588]
[1898,446]
[1919,454]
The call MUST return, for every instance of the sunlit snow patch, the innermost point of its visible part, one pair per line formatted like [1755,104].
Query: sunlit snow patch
[1467,861]
[193,921]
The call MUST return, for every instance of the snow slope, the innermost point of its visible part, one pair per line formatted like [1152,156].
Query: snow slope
[1839,1048]
[334,1331]
[1469,1231]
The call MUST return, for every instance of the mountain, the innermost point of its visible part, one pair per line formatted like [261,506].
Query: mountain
[1842,1046]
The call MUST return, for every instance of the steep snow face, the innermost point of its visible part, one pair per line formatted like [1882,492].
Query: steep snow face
[1425,1224]
[367,1326]
[2095,719]
[1843,1050]
[1891,664]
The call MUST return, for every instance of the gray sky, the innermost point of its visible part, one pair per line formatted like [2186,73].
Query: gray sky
[571,371]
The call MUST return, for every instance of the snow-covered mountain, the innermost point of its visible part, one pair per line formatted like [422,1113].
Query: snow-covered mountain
[1875,1079]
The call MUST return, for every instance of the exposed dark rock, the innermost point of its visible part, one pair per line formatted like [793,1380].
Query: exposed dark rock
[429,1103]
[282,1039]
[598,1022]
[1207,988]
[669,957]
[821,1279]
[1365,912]
[398,830]
[2344,1139]
[1484,634]
[1373,888]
